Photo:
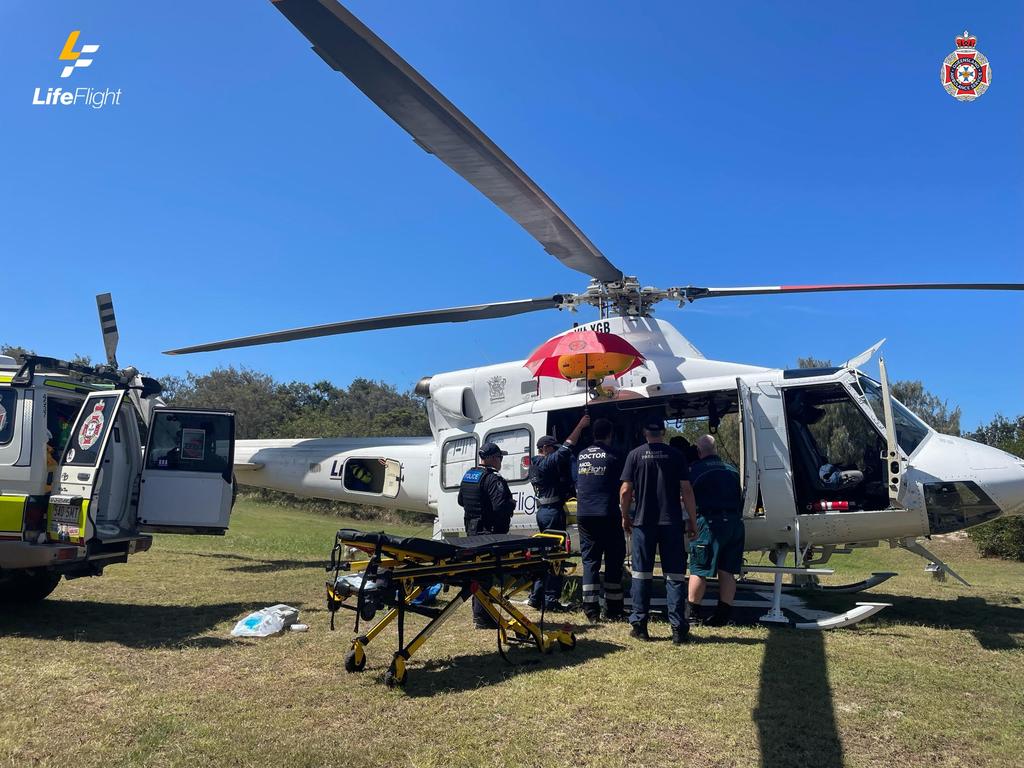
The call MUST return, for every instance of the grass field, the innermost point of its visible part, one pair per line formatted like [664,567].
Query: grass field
[137,668]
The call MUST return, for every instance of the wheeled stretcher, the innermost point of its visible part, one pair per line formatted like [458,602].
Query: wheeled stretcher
[398,569]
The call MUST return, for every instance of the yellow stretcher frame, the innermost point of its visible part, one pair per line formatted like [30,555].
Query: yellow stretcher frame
[406,571]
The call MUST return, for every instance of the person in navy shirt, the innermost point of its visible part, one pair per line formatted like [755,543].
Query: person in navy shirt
[550,473]
[656,478]
[598,469]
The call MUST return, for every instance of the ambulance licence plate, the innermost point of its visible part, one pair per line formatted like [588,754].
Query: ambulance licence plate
[65,513]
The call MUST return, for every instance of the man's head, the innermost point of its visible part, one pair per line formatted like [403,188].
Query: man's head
[680,443]
[603,431]
[654,431]
[490,455]
[546,445]
[706,446]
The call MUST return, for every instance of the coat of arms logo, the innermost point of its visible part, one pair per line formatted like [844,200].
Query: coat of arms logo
[966,73]
[496,385]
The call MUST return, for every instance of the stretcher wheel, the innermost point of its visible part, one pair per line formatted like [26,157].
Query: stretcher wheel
[396,677]
[567,645]
[351,665]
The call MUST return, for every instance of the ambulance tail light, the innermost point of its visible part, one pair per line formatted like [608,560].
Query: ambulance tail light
[35,514]
[67,553]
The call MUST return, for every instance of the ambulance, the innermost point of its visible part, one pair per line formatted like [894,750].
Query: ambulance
[92,464]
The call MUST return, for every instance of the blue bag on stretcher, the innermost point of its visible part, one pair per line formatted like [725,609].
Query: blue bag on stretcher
[266,621]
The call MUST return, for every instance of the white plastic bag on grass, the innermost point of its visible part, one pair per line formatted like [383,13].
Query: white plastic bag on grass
[266,621]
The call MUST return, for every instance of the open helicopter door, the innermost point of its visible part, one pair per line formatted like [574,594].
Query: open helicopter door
[187,485]
[96,475]
[893,464]
[748,449]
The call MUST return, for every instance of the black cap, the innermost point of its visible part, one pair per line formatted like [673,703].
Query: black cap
[491,449]
[546,440]
[654,425]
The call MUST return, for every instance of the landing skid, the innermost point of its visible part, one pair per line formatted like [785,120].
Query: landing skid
[839,589]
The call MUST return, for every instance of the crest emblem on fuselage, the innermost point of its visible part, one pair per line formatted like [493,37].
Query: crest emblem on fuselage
[496,386]
[966,73]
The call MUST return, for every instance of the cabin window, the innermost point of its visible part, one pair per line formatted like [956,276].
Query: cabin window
[364,475]
[458,456]
[515,467]
[8,412]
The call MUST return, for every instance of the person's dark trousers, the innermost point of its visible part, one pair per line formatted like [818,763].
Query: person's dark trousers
[602,537]
[668,541]
[549,589]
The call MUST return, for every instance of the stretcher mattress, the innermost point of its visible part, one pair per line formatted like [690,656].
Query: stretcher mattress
[455,548]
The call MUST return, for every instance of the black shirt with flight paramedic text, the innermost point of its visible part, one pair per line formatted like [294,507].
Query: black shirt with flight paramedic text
[656,470]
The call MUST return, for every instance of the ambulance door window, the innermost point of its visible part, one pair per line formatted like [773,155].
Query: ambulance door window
[191,442]
[8,406]
[515,467]
[458,456]
[89,433]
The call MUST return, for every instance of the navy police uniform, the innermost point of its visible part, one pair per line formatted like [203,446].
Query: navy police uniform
[552,485]
[488,505]
[598,469]
[720,532]
[656,471]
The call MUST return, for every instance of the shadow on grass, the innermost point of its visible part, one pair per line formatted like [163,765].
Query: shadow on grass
[795,719]
[475,670]
[994,626]
[133,626]
[259,564]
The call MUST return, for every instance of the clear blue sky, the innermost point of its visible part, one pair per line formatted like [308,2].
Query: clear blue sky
[242,186]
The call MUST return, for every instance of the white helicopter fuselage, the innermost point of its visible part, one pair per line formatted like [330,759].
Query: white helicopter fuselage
[944,483]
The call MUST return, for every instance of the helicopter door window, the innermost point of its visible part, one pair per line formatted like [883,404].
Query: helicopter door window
[515,466]
[8,405]
[458,456]
[910,430]
[836,450]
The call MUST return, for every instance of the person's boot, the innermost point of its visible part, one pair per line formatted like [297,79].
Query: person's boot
[693,614]
[593,612]
[639,631]
[681,634]
[613,610]
[721,616]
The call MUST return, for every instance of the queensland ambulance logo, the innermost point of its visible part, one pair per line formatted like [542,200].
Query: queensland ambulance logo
[91,428]
[966,73]
[68,53]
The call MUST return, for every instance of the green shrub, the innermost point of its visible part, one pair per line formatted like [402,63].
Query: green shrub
[1000,538]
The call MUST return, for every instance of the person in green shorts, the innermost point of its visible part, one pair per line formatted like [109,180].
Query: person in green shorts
[718,547]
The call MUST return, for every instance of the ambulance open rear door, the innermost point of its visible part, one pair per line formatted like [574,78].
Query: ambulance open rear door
[187,482]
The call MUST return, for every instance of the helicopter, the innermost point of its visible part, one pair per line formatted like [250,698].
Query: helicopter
[915,481]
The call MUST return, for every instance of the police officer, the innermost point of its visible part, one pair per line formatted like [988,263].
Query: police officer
[550,473]
[488,505]
[656,476]
[598,469]
[718,548]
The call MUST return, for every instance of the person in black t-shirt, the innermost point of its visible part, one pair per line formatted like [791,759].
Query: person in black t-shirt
[598,469]
[655,476]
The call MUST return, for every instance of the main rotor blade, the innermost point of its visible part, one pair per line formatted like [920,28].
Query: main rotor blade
[349,47]
[426,317]
[692,293]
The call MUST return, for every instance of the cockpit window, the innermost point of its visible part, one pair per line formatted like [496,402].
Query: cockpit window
[910,430]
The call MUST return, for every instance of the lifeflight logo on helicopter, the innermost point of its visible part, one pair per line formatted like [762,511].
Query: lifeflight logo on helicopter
[966,73]
[83,96]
